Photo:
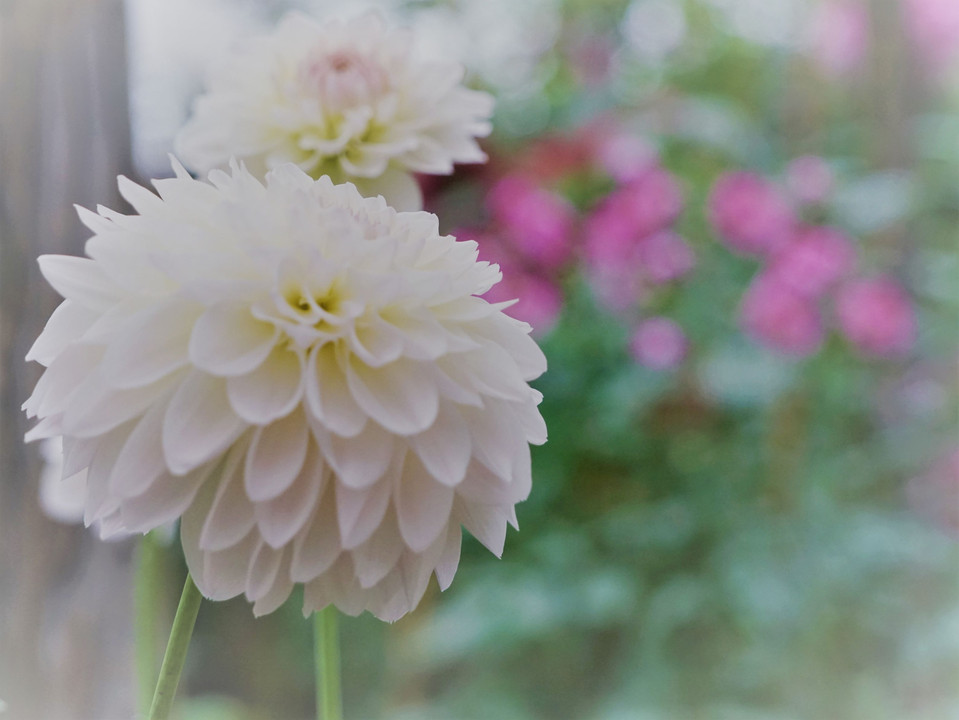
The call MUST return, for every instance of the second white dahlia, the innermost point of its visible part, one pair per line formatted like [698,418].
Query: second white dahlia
[307,377]
[344,99]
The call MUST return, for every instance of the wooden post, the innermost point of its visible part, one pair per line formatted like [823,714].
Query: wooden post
[64,136]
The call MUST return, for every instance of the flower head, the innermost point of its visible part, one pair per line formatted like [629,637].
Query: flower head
[776,315]
[658,343]
[876,316]
[308,377]
[344,99]
[749,214]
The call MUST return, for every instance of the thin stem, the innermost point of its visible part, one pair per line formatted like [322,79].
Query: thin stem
[326,648]
[145,612]
[176,650]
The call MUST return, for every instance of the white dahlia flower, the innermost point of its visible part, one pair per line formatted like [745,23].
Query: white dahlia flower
[344,99]
[308,377]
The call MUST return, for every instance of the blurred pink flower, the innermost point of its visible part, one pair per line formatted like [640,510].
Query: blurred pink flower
[934,25]
[838,36]
[540,300]
[617,288]
[658,343]
[935,493]
[645,205]
[778,317]
[539,222]
[749,214]
[609,237]
[876,316]
[809,179]
[817,259]
[665,256]
[625,157]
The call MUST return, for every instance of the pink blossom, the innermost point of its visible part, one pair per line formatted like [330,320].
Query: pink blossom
[638,209]
[838,36]
[809,179]
[665,256]
[652,200]
[778,317]
[876,316]
[749,214]
[813,262]
[625,157]
[658,343]
[935,493]
[610,238]
[539,222]
[617,288]
[934,25]
[539,299]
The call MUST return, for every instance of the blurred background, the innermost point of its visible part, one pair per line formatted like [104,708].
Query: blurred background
[734,226]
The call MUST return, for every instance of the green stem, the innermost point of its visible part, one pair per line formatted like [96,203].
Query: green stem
[176,650]
[145,613]
[326,648]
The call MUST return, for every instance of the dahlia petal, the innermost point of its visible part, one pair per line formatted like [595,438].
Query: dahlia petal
[483,486]
[61,378]
[450,559]
[513,336]
[398,186]
[261,574]
[67,323]
[77,455]
[142,200]
[99,503]
[230,515]
[401,396]
[282,517]
[491,371]
[165,500]
[270,391]
[487,523]
[152,345]
[376,343]
[375,558]
[445,447]
[79,279]
[362,460]
[422,505]
[95,407]
[277,595]
[191,528]
[317,547]
[199,423]
[358,512]
[276,456]
[329,396]
[532,422]
[225,572]
[141,460]
[227,340]
[50,426]
[496,435]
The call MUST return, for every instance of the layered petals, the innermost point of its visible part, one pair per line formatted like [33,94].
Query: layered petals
[310,381]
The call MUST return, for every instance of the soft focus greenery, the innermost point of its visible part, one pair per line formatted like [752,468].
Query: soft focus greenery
[729,540]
